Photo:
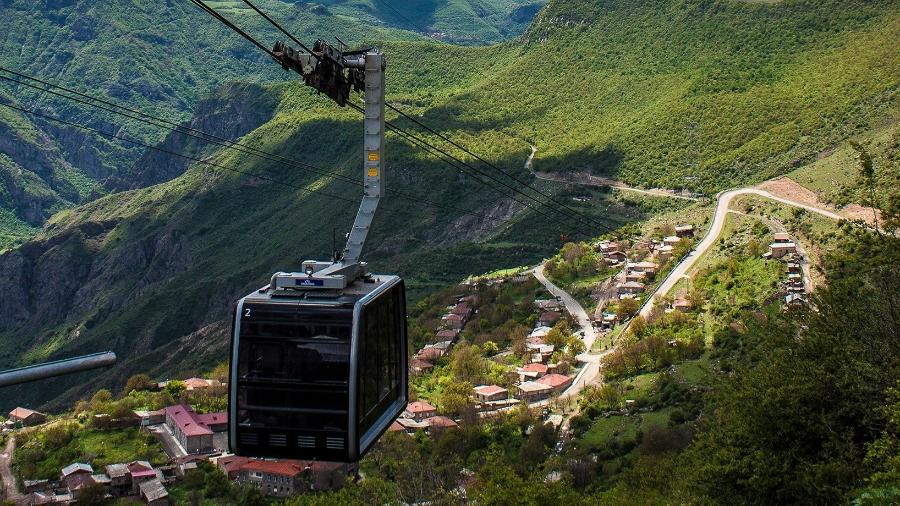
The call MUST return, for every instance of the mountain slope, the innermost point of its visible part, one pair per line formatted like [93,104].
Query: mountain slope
[162,58]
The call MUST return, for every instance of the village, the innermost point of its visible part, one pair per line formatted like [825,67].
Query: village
[188,438]
[533,382]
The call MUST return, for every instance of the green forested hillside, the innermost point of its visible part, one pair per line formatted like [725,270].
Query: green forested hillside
[708,94]
[163,57]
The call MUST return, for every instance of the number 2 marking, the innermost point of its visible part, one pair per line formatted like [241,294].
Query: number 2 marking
[247,312]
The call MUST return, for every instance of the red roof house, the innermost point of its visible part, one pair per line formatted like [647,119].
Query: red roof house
[189,429]
[27,416]
[441,422]
[216,422]
[557,382]
[430,354]
[489,393]
[419,366]
[420,410]
[549,317]
[533,370]
[231,465]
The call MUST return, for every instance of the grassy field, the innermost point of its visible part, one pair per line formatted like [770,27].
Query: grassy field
[41,455]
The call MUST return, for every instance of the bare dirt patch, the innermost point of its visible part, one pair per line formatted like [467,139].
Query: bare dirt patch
[787,188]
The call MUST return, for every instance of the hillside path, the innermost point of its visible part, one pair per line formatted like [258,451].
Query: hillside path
[9,481]
[722,204]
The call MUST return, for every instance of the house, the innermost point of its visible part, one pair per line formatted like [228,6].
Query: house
[532,371]
[274,478]
[795,279]
[462,309]
[454,321]
[200,383]
[420,410]
[615,257]
[539,333]
[530,391]
[549,318]
[684,230]
[119,479]
[608,247]
[629,288]
[490,393]
[795,299]
[444,346]
[77,482]
[35,485]
[636,276]
[76,468]
[409,425]
[541,354]
[216,422]
[231,465]
[681,304]
[27,417]
[781,237]
[794,266]
[140,471]
[446,335]
[646,267]
[608,321]
[419,366]
[429,354]
[154,493]
[102,480]
[665,252]
[441,422]
[146,418]
[557,382]
[780,249]
[193,435]
[547,304]
[396,427]
[672,240]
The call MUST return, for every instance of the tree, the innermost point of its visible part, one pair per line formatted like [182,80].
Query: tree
[100,400]
[467,364]
[175,388]
[455,397]
[137,383]
[866,177]
[559,334]
[490,349]
[792,428]
[220,372]
[627,307]
[94,494]
[638,326]
[218,485]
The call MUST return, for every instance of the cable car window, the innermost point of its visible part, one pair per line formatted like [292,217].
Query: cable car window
[381,335]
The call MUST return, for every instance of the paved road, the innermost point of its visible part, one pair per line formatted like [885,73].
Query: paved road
[572,306]
[591,370]
[722,204]
[9,482]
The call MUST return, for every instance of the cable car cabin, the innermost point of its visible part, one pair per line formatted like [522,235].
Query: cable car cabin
[317,374]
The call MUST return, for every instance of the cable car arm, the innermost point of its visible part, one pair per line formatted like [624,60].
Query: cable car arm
[335,74]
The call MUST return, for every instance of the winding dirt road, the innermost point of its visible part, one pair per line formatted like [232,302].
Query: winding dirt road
[9,481]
